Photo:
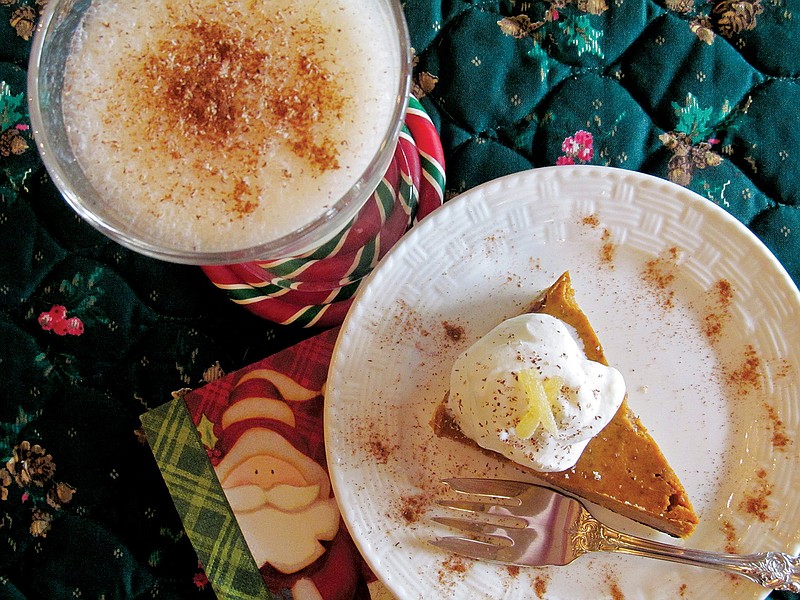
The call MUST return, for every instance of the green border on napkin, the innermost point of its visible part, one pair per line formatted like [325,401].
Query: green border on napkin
[201,503]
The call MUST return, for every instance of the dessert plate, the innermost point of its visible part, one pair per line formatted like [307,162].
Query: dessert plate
[697,314]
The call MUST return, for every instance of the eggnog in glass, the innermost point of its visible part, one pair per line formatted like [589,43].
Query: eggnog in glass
[216,132]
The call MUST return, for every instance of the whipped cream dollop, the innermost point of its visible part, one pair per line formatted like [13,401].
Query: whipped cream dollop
[527,391]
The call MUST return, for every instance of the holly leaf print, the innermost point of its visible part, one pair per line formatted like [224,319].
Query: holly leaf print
[692,119]
[206,430]
[582,35]
[9,431]
[538,54]
[11,107]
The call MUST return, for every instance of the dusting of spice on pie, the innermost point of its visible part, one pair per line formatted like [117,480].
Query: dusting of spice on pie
[659,273]
[513,570]
[747,377]
[683,589]
[756,502]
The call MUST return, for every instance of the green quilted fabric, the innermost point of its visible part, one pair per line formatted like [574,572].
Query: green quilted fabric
[92,335]
[701,93]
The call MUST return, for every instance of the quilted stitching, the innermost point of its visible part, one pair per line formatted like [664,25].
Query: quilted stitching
[692,92]
[682,88]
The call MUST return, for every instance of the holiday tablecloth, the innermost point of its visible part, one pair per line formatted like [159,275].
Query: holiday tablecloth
[92,336]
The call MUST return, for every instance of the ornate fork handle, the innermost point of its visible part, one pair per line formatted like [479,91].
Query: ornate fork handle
[773,570]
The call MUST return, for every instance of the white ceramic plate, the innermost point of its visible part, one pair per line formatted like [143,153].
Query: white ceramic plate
[649,261]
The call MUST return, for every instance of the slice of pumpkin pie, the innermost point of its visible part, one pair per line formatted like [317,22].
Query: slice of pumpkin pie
[529,392]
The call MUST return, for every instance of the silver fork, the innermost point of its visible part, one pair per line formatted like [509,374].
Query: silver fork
[518,523]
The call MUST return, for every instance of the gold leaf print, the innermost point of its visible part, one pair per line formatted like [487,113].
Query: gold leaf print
[593,7]
[703,29]
[519,26]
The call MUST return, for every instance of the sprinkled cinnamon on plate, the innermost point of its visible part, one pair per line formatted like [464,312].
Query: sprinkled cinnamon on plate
[780,440]
[540,586]
[613,587]
[452,566]
[454,332]
[755,502]
[379,448]
[591,220]
[720,297]
[413,507]
[731,537]
[747,377]
[608,250]
[659,273]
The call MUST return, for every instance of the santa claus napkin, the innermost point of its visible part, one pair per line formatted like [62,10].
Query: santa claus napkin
[244,460]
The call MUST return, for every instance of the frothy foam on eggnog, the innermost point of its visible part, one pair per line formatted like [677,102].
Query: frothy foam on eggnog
[220,126]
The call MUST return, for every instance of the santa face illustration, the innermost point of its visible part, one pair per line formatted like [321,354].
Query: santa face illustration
[281,497]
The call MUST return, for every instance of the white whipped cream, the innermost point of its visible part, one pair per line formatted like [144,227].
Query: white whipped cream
[490,393]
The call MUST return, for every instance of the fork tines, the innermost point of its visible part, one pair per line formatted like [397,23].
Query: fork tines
[496,489]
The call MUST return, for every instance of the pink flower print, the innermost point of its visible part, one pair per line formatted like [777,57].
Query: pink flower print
[579,146]
[584,138]
[569,146]
[56,320]
[585,154]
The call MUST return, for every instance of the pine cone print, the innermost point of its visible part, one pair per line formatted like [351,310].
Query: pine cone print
[735,16]
[519,26]
[11,142]
[23,20]
[681,6]
[30,464]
